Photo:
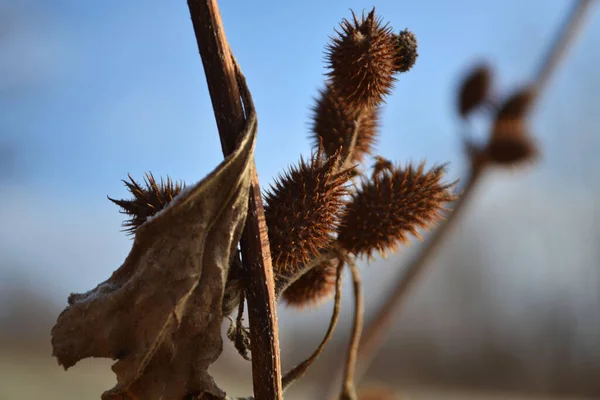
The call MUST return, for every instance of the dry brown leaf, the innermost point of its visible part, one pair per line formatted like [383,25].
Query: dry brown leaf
[160,313]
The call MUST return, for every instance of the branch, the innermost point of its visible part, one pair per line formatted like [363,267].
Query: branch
[222,79]
[566,35]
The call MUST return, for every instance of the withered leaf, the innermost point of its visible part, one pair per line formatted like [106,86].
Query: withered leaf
[160,313]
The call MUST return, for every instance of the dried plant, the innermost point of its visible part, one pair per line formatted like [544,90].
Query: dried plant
[316,221]
[159,314]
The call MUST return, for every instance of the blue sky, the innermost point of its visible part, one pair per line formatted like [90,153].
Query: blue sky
[91,91]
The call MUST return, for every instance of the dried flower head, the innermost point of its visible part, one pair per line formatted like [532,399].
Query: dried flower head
[393,204]
[334,123]
[510,143]
[147,200]
[406,52]
[474,90]
[301,210]
[313,287]
[362,59]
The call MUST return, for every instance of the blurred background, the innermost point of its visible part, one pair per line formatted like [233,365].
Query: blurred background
[91,91]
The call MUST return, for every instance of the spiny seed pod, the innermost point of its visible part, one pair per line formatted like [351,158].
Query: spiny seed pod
[516,106]
[381,165]
[474,90]
[362,59]
[301,211]
[314,287]
[510,143]
[147,200]
[393,204]
[333,124]
[406,52]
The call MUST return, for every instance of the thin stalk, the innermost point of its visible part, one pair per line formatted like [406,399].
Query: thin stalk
[348,386]
[567,33]
[299,370]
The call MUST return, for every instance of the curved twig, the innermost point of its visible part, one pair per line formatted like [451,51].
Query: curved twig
[301,368]
[349,387]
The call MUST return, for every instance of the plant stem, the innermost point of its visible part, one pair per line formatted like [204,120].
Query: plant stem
[349,386]
[222,79]
[219,71]
[301,368]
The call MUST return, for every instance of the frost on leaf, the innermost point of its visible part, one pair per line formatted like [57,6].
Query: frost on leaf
[159,314]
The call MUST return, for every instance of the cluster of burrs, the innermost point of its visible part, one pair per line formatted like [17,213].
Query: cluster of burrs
[325,211]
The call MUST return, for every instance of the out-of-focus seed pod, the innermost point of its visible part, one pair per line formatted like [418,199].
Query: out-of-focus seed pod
[510,143]
[474,90]
[516,106]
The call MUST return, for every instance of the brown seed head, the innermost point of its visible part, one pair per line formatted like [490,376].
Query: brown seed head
[147,200]
[474,90]
[406,52]
[362,59]
[510,143]
[301,211]
[333,124]
[314,287]
[517,105]
[393,204]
